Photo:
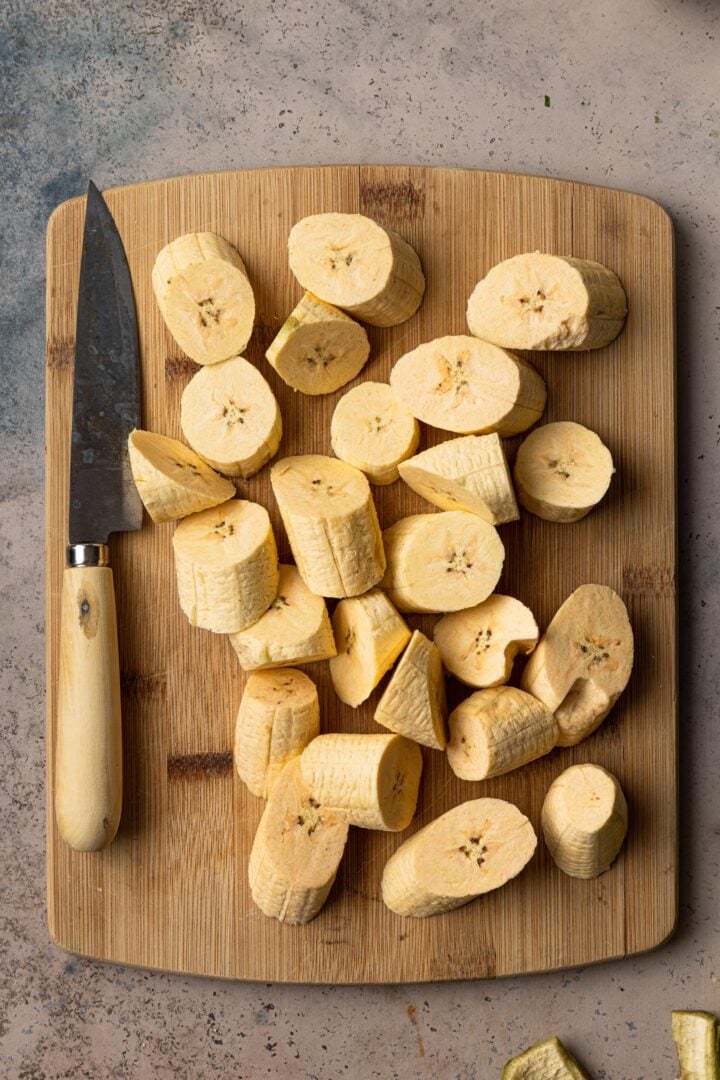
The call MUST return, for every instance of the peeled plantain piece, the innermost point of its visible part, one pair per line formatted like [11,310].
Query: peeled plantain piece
[540,301]
[583,661]
[295,629]
[279,715]
[204,295]
[414,702]
[584,819]
[296,851]
[470,850]
[458,383]
[441,562]
[351,261]
[331,522]
[372,779]
[226,566]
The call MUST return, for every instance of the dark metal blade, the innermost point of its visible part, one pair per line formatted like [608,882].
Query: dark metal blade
[106,399]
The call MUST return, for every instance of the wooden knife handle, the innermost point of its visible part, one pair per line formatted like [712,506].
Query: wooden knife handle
[88,751]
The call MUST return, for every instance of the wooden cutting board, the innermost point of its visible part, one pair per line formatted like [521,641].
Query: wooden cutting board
[171,892]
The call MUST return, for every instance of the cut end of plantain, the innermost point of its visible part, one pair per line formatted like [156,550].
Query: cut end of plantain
[295,629]
[470,850]
[441,562]
[296,852]
[413,703]
[373,780]
[372,432]
[478,645]
[548,1060]
[330,519]
[171,479]
[562,470]
[229,415]
[583,661]
[351,261]
[369,637]
[470,473]
[205,297]
[584,820]
[460,384]
[538,301]
[227,566]
[318,348]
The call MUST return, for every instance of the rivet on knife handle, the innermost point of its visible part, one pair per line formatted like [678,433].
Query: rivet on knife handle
[88,751]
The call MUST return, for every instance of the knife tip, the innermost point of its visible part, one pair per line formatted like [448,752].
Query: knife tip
[92,189]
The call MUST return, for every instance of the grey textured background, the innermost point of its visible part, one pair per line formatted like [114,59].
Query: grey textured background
[125,93]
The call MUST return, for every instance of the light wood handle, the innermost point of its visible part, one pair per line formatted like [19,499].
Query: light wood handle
[88,752]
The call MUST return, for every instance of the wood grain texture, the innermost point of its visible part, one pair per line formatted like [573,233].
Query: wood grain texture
[88,743]
[171,891]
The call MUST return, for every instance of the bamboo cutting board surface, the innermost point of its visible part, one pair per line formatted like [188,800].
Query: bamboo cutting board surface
[171,892]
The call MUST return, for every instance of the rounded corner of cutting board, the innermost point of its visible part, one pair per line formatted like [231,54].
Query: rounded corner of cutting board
[654,208]
[663,934]
[56,934]
[58,217]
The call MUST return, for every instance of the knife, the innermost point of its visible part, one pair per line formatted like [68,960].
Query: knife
[103,499]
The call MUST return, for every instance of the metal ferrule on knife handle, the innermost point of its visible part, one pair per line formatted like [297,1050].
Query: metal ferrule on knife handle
[87,555]
[103,499]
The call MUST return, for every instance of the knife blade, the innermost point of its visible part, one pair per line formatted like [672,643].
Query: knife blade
[103,499]
[106,395]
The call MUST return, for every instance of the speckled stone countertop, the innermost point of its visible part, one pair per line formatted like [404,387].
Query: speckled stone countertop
[610,92]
